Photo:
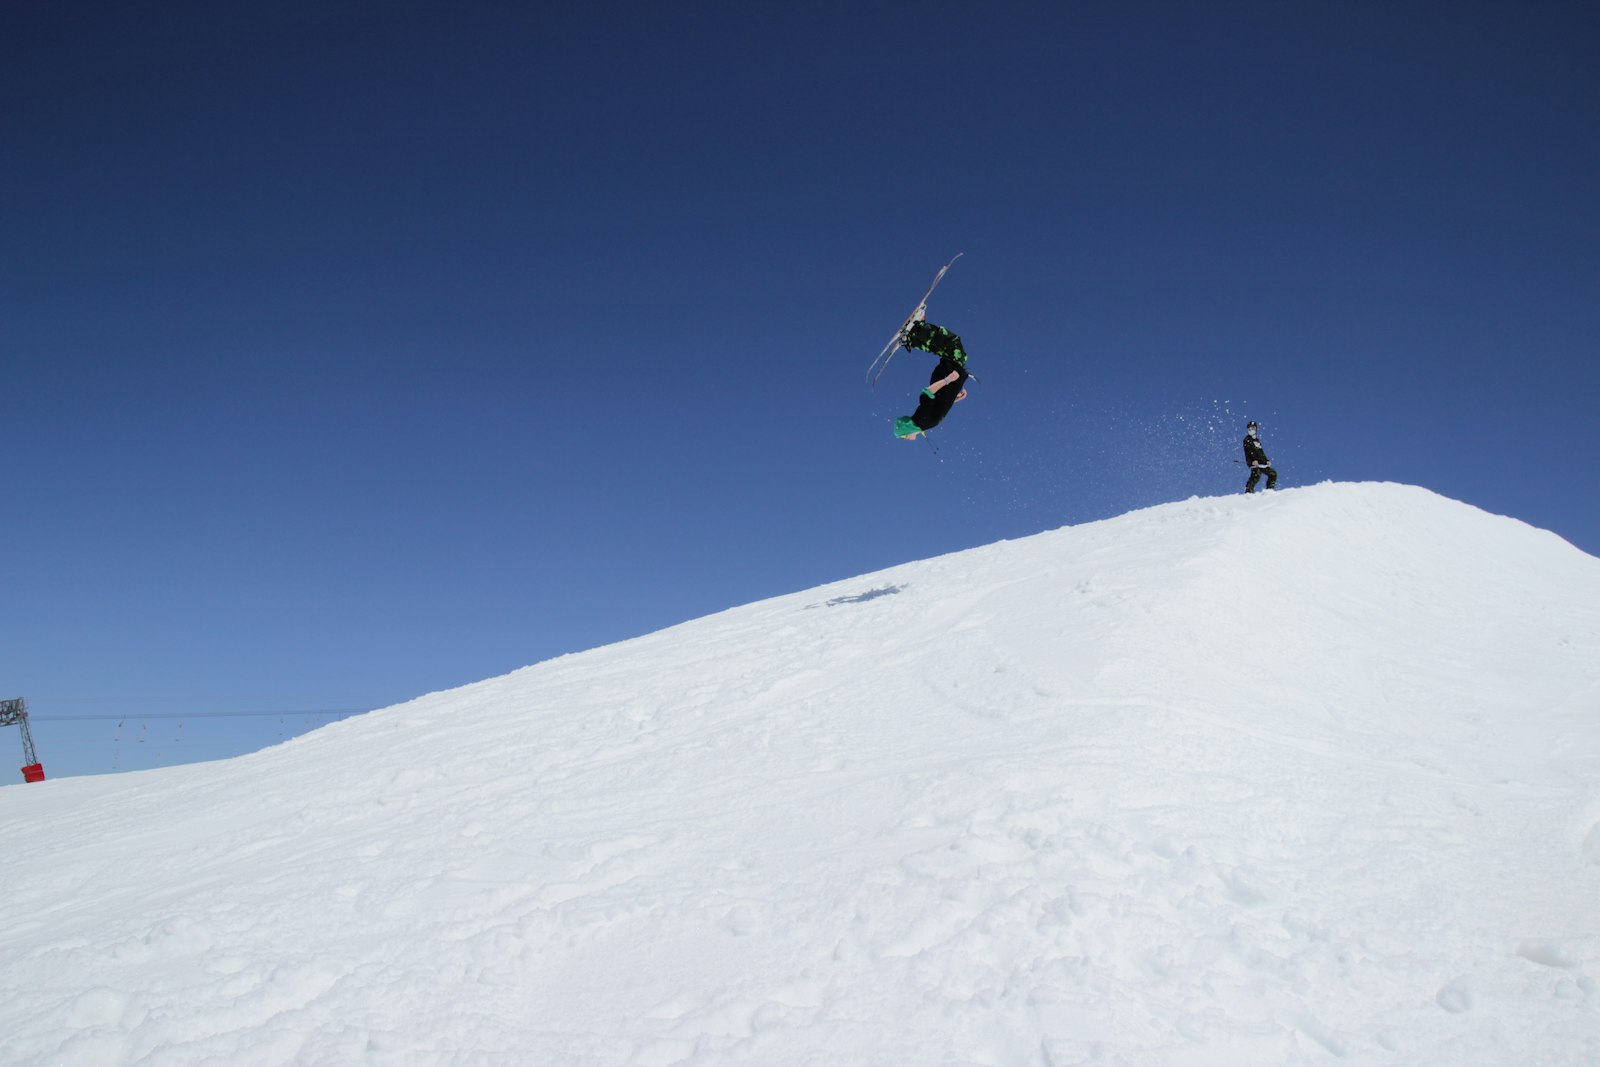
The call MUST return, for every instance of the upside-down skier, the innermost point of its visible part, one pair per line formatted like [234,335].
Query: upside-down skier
[946,385]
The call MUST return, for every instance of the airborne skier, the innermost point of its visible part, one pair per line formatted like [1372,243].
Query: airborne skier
[945,386]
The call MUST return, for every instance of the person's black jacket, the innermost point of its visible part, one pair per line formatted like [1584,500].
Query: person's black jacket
[931,410]
[1254,454]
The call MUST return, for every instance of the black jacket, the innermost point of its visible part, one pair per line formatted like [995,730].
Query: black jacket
[931,410]
[1254,454]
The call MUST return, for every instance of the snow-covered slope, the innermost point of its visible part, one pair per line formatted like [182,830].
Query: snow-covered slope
[1252,780]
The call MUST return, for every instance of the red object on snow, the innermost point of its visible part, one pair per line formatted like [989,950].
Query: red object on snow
[33,772]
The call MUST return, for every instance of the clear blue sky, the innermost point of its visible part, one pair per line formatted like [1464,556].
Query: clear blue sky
[352,352]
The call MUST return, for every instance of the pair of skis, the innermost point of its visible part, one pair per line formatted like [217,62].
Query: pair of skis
[875,371]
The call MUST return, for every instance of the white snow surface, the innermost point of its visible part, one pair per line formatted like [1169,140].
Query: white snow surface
[1305,777]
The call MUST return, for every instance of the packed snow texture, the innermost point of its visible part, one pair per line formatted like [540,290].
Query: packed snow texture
[1305,777]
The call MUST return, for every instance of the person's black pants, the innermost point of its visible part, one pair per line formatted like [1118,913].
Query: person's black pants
[936,339]
[1255,476]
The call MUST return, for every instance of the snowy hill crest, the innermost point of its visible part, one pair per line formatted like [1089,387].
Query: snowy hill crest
[1288,779]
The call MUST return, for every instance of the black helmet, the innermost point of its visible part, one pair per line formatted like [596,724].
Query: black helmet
[1251,425]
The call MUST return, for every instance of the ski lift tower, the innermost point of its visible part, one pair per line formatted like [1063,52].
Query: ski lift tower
[15,713]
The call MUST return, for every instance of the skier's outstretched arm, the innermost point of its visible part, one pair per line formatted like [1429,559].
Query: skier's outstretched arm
[934,387]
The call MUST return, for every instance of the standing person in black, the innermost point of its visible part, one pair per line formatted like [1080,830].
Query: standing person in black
[1256,456]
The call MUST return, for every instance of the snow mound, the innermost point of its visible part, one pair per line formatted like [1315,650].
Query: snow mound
[1282,779]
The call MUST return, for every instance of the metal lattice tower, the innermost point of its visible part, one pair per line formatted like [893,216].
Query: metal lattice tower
[15,713]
